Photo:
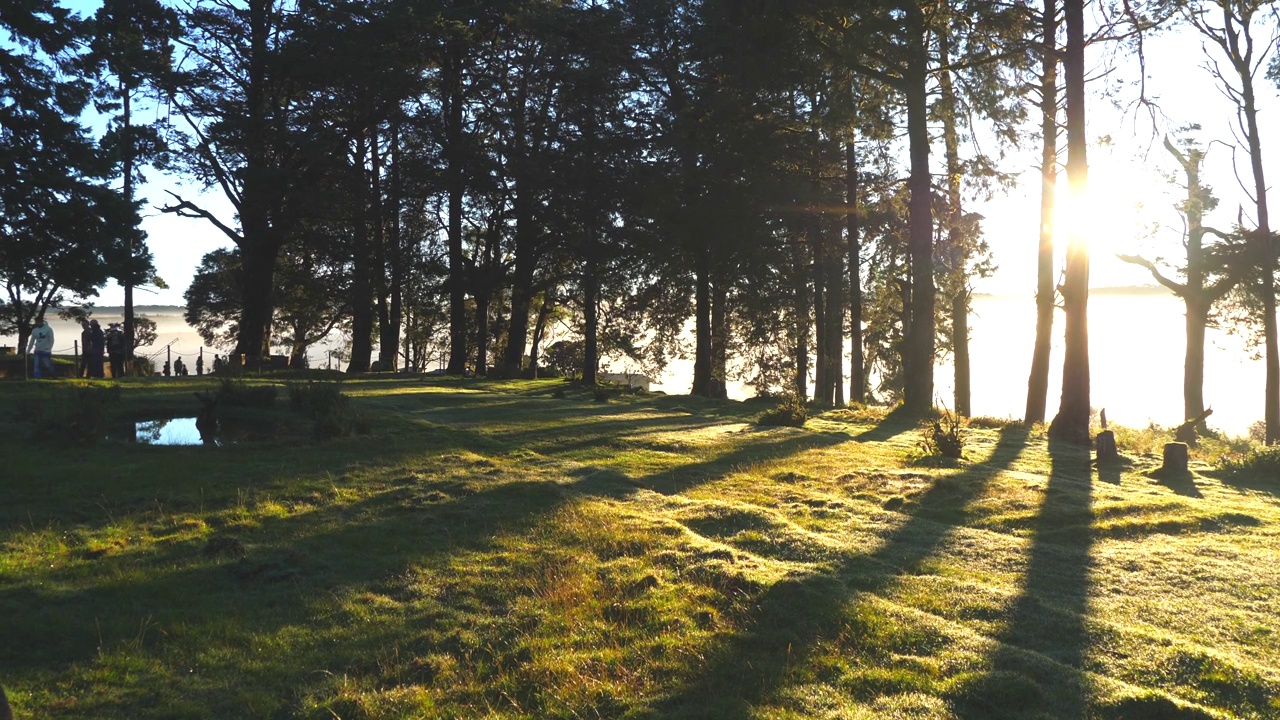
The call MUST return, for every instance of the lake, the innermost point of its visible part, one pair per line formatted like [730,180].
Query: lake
[1136,348]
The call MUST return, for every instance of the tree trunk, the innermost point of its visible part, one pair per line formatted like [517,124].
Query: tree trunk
[483,296]
[362,294]
[259,243]
[1193,366]
[383,274]
[1038,382]
[1267,246]
[258,262]
[919,342]
[392,255]
[702,384]
[835,322]
[719,338]
[802,325]
[957,244]
[539,330]
[591,318]
[455,182]
[960,348]
[1072,420]
[857,370]
[1194,296]
[591,254]
[526,241]
[821,382]
[126,164]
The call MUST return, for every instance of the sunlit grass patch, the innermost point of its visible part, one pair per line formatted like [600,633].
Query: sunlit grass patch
[491,550]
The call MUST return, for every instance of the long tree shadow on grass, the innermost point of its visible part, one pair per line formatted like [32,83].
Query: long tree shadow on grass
[1036,669]
[796,613]
[1264,481]
[97,486]
[898,421]
[264,576]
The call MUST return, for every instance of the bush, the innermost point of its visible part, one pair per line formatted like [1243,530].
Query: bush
[566,357]
[790,412]
[143,367]
[237,393]
[1258,431]
[1264,461]
[328,407]
[78,414]
[993,423]
[941,438]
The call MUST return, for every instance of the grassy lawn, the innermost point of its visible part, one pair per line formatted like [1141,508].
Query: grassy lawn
[520,550]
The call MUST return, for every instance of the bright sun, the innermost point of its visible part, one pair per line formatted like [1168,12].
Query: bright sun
[1122,199]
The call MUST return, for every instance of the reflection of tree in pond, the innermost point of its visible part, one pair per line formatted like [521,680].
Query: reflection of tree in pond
[150,431]
[173,431]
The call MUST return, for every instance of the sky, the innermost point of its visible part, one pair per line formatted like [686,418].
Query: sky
[1128,168]
[1128,186]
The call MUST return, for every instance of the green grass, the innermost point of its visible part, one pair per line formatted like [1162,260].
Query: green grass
[489,549]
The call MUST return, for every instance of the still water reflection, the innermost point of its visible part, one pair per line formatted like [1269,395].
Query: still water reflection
[174,431]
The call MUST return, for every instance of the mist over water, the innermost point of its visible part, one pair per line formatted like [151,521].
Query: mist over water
[1137,346]
[1137,343]
[174,337]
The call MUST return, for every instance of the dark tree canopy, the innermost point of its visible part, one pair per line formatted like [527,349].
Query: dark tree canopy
[62,228]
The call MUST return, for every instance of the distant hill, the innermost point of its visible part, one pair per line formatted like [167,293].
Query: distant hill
[108,310]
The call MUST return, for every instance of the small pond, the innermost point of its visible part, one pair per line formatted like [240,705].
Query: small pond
[173,431]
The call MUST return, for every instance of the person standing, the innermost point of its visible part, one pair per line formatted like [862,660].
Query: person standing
[116,349]
[41,343]
[97,348]
[86,336]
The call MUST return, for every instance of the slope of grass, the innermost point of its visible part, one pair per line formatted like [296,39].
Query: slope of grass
[520,550]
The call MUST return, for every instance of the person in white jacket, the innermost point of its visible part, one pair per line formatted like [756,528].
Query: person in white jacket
[42,343]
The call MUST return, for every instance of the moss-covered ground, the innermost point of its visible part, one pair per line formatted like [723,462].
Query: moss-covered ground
[520,550]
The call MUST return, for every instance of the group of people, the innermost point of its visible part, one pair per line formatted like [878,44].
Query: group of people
[180,368]
[98,346]
[97,343]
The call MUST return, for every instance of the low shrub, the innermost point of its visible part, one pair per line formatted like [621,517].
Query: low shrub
[941,438]
[328,407]
[78,414]
[1262,461]
[859,414]
[143,367]
[237,393]
[988,422]
[1151,440]
[790,412]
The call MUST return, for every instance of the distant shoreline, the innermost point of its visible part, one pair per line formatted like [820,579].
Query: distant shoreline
[1112,291]
[1133,290]
[137,309]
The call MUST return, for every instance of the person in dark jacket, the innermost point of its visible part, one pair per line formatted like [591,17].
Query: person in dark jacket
[97,349]
[116,349]
[86,337]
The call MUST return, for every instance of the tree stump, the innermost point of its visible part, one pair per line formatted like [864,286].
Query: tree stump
[1175,457]
[1106,445]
